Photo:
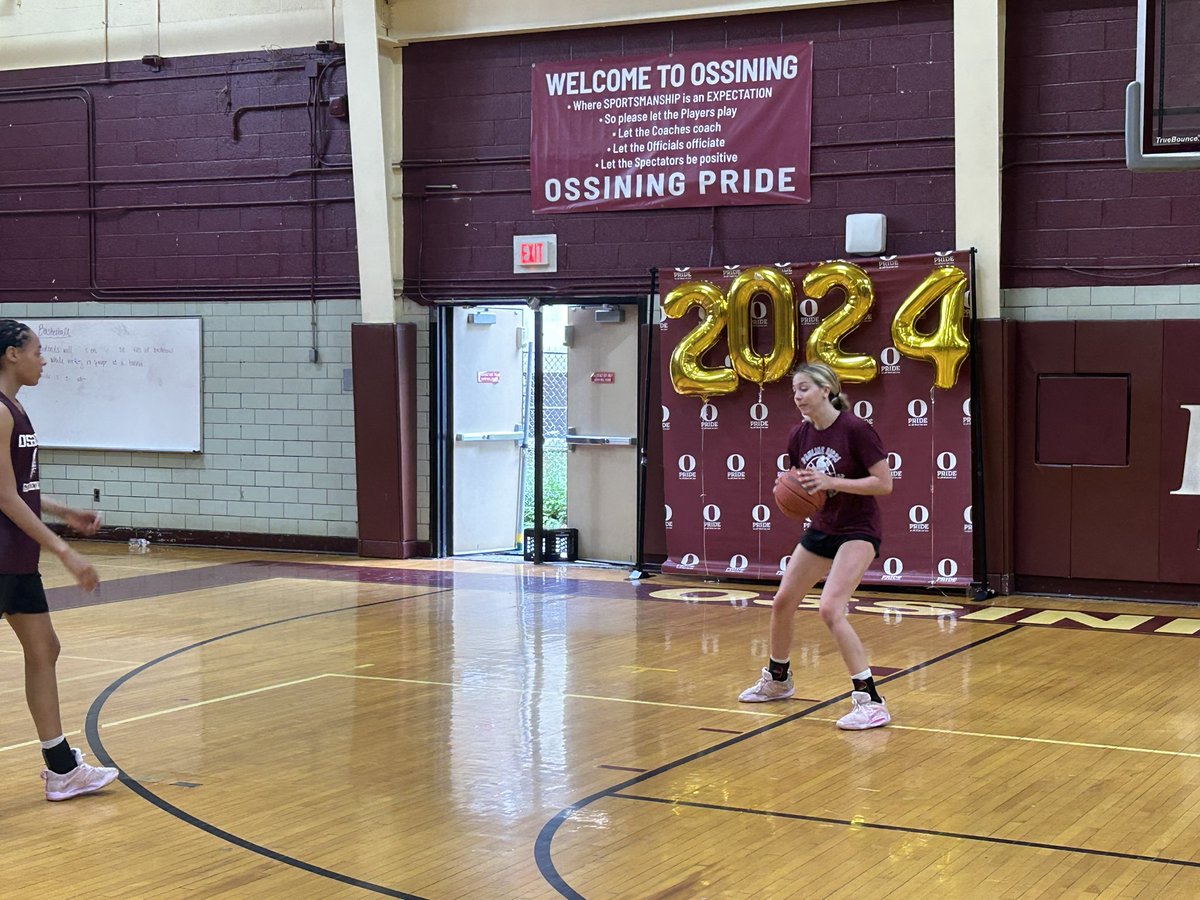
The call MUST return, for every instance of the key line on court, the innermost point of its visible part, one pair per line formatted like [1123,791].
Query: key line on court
[859,822]
[36,741]
[416,681]
[520,690]
[249,693]
[120,662]
[1033,740]
[541,850]
[21,689]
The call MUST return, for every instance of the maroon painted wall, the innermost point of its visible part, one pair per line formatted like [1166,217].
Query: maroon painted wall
[119,182]
[882,142]
[1105,529]
[1072,213]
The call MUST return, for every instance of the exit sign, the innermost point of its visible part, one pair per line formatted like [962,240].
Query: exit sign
[535,253]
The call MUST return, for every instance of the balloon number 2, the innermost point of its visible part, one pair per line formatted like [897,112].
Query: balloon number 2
[945,347]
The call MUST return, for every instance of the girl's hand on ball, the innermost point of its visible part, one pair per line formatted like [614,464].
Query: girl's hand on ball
[814,481]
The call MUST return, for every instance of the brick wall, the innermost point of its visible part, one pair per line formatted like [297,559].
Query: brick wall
[117,182]
[1073,214]
[882,142]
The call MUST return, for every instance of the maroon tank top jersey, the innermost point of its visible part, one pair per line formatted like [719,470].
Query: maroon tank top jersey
[18,551]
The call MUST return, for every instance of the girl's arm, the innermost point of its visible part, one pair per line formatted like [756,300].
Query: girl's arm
[878,481]
[82,520]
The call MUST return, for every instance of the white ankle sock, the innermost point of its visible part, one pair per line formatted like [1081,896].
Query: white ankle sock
[53,742]
[861,676]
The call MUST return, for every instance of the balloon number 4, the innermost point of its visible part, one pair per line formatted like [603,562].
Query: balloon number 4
[946,347]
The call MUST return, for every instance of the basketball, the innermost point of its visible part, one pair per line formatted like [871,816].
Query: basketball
[793,500]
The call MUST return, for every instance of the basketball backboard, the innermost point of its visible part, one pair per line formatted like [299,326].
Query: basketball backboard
[1162,107]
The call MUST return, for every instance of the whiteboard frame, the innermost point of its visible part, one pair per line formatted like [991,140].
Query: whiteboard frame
[194,447]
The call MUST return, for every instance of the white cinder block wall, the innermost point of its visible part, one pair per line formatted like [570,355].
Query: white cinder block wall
[278,452]
[1102,302]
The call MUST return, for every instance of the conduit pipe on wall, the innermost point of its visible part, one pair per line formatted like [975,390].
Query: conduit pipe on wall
[262,107]
[145,207]
[172,76]
[175,180]
[1025,163]
[490,287]
[1106,270]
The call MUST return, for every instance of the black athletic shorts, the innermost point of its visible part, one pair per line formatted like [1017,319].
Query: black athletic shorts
[22,594]
[827,545]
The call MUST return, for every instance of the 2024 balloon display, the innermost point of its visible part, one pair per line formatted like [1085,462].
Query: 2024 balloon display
[945,347]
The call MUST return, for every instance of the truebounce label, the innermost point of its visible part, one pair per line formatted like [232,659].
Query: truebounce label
[710,128]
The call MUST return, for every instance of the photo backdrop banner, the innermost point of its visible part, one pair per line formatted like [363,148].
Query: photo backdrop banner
[731,338]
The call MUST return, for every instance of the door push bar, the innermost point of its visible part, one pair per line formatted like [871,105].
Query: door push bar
[491,436]
[600,440]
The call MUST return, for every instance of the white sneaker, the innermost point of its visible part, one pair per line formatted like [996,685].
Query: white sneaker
[768,688]
[865,713]
[83,779]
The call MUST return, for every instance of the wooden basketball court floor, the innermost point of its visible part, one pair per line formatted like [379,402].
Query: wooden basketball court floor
[313,726]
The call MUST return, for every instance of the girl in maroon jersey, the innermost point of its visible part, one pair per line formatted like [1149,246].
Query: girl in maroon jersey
[834,451]
[22,535]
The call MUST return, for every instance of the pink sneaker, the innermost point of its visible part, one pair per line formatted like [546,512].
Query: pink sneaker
[767,688]
[865,713]
[83,779]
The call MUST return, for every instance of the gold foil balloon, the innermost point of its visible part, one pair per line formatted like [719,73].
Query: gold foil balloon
[825,342]
[946,346]
[689,375]
[747,362]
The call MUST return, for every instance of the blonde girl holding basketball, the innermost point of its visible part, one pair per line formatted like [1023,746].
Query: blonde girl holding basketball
[832,450]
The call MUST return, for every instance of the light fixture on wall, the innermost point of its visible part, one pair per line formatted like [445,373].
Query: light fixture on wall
[154,61]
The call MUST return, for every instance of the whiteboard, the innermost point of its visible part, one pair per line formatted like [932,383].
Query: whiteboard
[118,384]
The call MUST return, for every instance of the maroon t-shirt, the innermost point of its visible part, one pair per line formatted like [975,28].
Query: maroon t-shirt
[18,551]
[848,447]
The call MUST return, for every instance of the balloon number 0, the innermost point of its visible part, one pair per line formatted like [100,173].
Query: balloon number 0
[945,347]
[742,293]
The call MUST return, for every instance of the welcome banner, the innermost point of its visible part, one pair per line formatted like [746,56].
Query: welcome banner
[710,128]
[721,454]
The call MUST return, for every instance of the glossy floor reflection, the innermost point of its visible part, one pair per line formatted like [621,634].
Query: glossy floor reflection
[306,726]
